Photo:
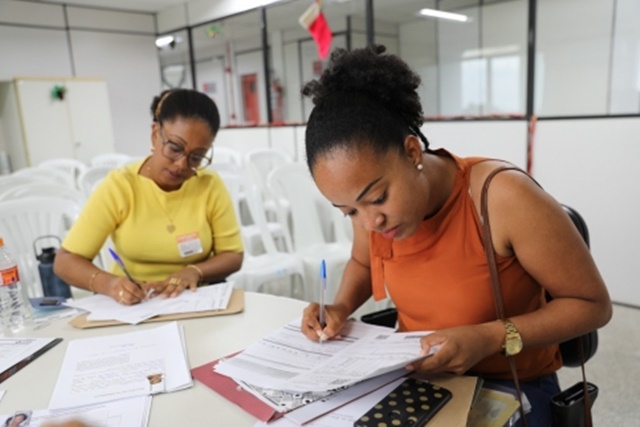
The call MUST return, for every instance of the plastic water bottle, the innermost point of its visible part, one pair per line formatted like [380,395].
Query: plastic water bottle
[14,307]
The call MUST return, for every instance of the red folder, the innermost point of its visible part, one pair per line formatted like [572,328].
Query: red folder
[231,390]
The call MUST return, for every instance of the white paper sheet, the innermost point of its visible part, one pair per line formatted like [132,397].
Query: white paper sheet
[287,360]
[112,367]
[344,416]
[206,298]
[133,412]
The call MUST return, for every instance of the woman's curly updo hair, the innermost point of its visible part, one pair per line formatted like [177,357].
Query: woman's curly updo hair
[363,99]
[186,104]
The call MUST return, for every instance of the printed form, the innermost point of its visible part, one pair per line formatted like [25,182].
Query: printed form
[206,298]
[140,363]
[287,360]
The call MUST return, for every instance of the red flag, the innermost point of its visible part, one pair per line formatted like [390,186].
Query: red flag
[313,21]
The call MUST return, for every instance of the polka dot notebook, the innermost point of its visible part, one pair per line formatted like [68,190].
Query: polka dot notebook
[412,404]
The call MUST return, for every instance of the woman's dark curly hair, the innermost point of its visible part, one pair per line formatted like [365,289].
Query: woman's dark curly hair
[364,98]
[172,104]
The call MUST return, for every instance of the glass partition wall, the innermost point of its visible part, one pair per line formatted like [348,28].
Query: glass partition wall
[254,64]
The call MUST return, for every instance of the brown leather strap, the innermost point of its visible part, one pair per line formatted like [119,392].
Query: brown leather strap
[493,271]
[497,291]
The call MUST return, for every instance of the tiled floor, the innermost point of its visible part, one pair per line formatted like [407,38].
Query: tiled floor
[615,369]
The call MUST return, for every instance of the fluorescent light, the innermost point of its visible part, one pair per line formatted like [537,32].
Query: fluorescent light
[444,15]
[164,41]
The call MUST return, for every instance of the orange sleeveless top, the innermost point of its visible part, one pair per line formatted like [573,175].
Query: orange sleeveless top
[439,278]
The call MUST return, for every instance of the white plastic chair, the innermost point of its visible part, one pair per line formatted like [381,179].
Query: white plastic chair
[72,167]
[261,272]
[112,160]
[91,177]
[224,154]
[259,164]
[293,182]
[44,189]
[51,175]
[24,220]
[8,182]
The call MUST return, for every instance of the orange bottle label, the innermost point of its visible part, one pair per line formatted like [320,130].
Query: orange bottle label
[10,275]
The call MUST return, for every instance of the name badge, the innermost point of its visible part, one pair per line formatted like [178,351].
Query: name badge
[189,244]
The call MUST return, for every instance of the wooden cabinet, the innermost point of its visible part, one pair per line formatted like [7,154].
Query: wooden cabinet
[38,125]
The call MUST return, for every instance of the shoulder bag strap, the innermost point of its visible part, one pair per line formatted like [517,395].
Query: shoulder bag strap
[493,271]
[497,290]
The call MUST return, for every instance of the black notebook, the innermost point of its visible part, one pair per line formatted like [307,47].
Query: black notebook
[412,404]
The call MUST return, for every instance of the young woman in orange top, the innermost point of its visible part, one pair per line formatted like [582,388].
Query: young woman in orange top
[417,235]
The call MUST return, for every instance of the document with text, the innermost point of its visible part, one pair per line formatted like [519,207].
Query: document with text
[133,412]
[112,367]
[205,298]
[287,360]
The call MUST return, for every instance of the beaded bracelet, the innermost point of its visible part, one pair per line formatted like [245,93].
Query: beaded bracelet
[93,276]
[196,268]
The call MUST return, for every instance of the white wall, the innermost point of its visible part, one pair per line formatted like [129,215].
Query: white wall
[591,165]
[116,46]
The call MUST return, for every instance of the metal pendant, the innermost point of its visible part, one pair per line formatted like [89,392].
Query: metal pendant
[171,228]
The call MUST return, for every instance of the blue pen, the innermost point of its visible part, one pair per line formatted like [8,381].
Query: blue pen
[117,259]
[323,290]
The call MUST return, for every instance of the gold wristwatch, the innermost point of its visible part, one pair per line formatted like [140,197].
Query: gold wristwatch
[513,340]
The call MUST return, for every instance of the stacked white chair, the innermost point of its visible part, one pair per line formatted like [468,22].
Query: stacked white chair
[91,177]
[51,175]
[112,160]
[271,268]
[72,167]
[259,163]
[293,182]
[7,182]
[222,154]
[24,220]
[44,189]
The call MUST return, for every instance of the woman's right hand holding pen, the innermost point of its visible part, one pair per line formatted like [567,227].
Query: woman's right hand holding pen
[334,316]
[125,292]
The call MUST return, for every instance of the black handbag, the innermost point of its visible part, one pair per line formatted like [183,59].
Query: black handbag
[571,407]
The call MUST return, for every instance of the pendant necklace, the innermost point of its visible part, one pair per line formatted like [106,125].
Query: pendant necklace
[170,227]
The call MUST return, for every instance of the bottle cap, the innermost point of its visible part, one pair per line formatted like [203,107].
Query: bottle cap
[1,242]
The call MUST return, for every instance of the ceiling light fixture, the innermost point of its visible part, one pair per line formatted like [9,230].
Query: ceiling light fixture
[444,15]
[165,41]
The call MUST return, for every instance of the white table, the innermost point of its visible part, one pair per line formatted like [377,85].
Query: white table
[207,339]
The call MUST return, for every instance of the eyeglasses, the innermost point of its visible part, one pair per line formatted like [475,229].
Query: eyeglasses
[174,151]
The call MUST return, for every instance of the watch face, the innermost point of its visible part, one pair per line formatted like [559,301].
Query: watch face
[514,346]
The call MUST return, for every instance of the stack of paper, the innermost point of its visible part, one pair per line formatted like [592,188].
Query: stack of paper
[287,360]
[206,298]
[303,380]
[141,363]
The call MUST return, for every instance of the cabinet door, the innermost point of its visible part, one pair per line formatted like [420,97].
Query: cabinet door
[45,121]
[90,118]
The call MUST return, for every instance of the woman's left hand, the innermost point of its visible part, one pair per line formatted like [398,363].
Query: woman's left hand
[461,348]
[175,284]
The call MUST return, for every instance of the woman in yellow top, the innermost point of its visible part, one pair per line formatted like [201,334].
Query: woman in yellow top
[172,223]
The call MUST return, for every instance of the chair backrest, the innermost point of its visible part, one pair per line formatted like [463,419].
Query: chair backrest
[72,167]
[112,160]
[51,175]
[91,177]
[240,189]
[293,182]
[224,154]
[8,182]
[260,162]
[22,221]
[42,189]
